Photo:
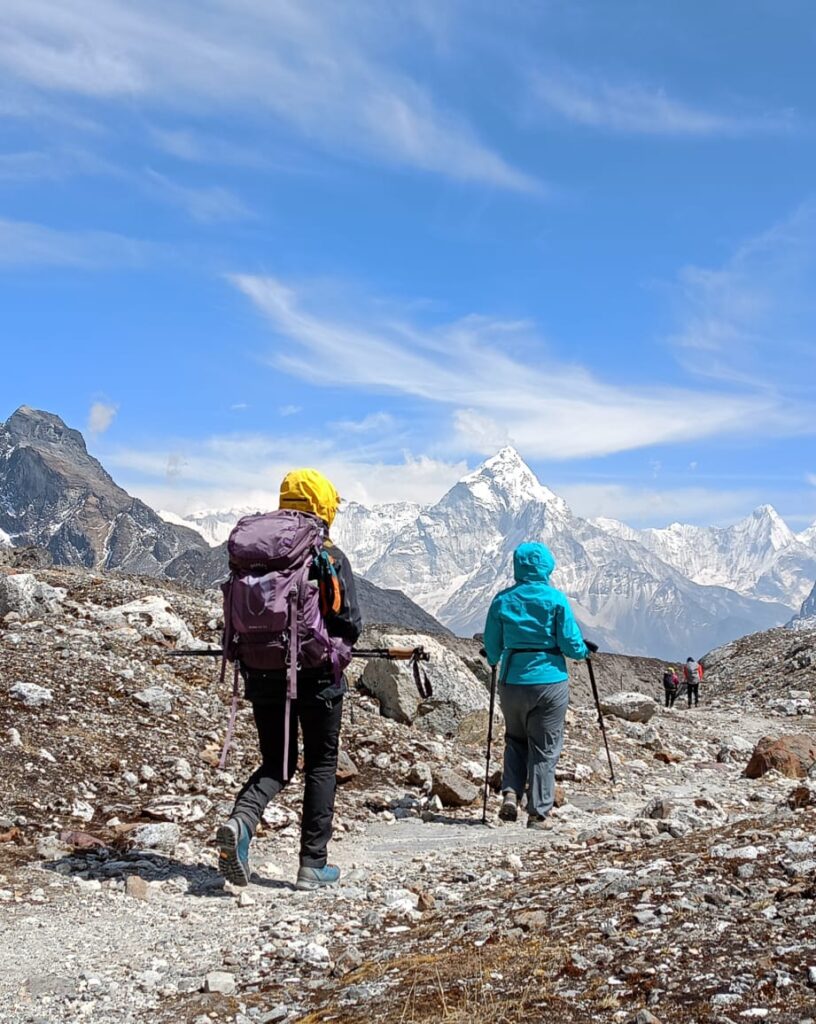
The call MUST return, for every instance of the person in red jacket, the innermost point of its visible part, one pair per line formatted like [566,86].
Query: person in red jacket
[693,672]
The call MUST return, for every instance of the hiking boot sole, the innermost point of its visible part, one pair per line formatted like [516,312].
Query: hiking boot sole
[308,885]
[229,863]
[508,812]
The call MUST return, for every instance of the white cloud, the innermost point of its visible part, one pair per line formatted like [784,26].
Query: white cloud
[751,321]
[289,410]
[100,417]
[327,71]
[225,471]
[209,204]
[368,424]
[649,506]
[811,479]
[636,109]
[479,373]
[23,244]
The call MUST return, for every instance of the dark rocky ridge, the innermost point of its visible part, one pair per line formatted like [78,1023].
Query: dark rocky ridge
[54,495]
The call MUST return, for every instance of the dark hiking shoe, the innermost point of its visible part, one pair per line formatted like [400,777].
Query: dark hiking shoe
[233,840]
[509,807]
[317,878]
[535,821]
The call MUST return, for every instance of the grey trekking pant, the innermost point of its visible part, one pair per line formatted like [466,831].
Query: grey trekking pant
[534,735]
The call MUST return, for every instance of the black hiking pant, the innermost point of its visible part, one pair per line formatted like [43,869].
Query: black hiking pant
[320,727]
[694,691]
[671,696]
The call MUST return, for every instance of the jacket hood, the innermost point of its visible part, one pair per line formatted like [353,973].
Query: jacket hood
[307,490]
[533,562]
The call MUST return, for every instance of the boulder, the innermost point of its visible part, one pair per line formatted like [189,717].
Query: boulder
[456,690]
[735,748]
[163,836]
[152,617]
[791,756]
[631,706]
[452,789]
[24,594]
[346,768]
[155,699]
[30,694]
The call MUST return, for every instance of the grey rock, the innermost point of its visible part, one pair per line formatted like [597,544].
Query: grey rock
[220,981]
[23,594]
[632,706]
[164,836]
[155,699]
[452,789]
[30,694]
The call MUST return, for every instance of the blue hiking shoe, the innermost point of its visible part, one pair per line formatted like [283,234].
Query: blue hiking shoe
[233,840]
[317,878]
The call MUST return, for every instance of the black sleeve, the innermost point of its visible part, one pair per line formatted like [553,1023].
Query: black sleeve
[348,622]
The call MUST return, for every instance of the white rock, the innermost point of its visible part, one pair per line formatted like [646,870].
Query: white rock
[152,617]
[220,981]
[82,809]
[631,706]
[24,594]
[32,695]
[155,699]
[14,737]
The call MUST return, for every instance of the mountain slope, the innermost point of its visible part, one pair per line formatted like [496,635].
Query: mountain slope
[54,495]
[385,606]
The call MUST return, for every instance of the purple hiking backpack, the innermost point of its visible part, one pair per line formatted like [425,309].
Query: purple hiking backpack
[272,611]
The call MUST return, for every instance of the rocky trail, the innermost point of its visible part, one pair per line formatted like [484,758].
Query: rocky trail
[685,893]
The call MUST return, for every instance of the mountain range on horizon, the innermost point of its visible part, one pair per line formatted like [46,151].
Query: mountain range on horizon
[647,591]
[668,592]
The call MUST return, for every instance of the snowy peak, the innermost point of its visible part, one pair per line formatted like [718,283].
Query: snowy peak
[505,479]
[766,524]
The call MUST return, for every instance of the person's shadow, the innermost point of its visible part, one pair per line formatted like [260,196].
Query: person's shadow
[105,863]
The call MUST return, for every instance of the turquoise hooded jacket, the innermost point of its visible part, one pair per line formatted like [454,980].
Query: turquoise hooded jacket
[535,620]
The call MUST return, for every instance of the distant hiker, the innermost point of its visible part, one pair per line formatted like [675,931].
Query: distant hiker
[671,684]
[693,671]
[530,628]
[322,574]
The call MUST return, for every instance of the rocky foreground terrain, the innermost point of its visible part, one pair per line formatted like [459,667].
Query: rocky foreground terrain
[684,893]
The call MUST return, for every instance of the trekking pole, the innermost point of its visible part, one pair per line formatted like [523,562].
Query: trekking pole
[593,649]
[413,655]
[493,676]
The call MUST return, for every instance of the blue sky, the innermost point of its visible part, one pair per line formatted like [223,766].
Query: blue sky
[387,238]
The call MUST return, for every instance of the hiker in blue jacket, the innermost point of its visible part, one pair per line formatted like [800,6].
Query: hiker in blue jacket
[530,628]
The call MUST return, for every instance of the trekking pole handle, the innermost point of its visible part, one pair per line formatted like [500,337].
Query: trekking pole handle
[591,647]
[392,653]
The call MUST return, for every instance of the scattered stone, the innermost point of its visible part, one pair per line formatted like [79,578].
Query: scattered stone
[30,694]
[346,768]
[452,789]
[156,699]
[29,598]
[220,981]
[631,706]
[164,836]
[791,756]
[137,888]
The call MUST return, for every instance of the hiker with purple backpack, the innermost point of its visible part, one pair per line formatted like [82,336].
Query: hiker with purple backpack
[291,618]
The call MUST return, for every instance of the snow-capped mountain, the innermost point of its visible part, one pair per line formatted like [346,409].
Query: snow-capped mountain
[758,557]
[672,592]
[808,536]
[213,524]
[455,555]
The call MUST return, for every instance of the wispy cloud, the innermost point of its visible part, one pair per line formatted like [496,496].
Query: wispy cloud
[490,378]
[209,204]
[326,71]
[373,422]
[224,471]
[648,506]
[637,109]
[100,417]
[23,244]
[752,320]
